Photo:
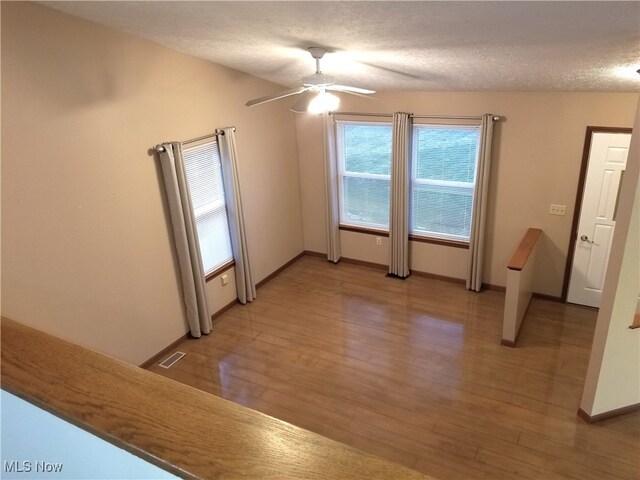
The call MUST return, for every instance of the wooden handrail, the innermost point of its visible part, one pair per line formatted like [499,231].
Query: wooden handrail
[521,255]
[183,430]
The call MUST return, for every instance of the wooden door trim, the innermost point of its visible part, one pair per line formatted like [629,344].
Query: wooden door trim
[586,150]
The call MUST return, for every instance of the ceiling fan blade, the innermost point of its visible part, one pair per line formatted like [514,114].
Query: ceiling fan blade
[347,89]
[368,97]
[302,102]
[276,96]
[392,70]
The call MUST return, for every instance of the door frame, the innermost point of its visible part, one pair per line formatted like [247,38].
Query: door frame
[573,238]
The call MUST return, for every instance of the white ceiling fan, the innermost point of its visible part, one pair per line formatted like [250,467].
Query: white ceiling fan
[319,84]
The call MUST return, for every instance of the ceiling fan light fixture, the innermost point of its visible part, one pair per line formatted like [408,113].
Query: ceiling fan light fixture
[323,102]
[317,84]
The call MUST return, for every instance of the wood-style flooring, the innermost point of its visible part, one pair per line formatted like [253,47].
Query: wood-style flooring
[413,371]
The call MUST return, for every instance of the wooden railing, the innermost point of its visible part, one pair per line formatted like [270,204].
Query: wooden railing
[183,430]
[520,272]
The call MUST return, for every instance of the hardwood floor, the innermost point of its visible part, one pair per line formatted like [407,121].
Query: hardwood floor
[413,371]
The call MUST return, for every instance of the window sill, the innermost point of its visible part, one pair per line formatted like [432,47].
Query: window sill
[413,238]
[439,241]
[220,270]
[367,231]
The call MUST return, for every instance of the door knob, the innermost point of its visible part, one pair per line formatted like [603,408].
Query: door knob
[584,238]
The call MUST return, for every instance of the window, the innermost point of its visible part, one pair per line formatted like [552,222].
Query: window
[364,162]
[444,161]
[203,170]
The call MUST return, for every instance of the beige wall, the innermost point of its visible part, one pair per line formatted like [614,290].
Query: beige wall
[87,251]
[613,376]
[538,150]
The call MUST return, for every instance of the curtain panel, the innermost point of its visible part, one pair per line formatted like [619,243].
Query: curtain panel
[331,189]
[478,220]
[399,202]
[245,287]
[185,238]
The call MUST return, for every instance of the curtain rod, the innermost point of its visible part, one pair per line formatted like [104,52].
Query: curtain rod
[218,132]
[363,114]
[444,117]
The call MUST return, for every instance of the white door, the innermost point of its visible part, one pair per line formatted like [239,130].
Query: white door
[607,160]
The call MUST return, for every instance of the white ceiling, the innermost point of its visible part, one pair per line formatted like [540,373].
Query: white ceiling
[389,45]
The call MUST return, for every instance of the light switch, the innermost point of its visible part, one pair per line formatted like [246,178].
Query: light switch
[224,278]
[557,209]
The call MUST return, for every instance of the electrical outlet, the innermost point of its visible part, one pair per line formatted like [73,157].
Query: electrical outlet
[557,209]
[378,241]
[224,278]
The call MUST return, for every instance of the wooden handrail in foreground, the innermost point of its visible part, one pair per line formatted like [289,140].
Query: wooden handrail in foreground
[519,288]
[183,430]
[522,253]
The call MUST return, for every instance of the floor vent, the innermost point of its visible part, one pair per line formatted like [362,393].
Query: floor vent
[172,359]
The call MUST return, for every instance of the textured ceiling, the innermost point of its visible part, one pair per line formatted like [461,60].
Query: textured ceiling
[520,46]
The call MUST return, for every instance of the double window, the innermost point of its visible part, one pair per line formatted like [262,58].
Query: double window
[443,174]
[203,170]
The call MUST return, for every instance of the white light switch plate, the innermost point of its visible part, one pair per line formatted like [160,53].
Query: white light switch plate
[557,209]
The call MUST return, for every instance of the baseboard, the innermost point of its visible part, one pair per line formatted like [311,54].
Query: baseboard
[364,263]
[436,276]
[607,415]
[495,288]
[548,298]
[539,296]
[311,253]
[277,272]
[224,309]
[217,314]
[381,266]
[165,351]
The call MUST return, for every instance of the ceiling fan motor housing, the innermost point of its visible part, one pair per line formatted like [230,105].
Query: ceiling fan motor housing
[318,80]
[317,52]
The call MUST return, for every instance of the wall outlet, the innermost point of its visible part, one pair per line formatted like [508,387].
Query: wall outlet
[378,241]
[557,209]
[224,278]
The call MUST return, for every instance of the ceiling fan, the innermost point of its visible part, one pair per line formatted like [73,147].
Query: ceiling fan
[319,84]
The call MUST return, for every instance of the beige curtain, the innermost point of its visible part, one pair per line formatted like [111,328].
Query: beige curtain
[478,220]
[399,205]
[331,189]
[245,287]
[185,238]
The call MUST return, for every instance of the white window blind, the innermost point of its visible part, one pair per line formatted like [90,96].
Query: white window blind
[204,177]
[444,161]
[364,160]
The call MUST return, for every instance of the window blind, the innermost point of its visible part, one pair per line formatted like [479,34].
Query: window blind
[364,159]
[443,180]
[204,178]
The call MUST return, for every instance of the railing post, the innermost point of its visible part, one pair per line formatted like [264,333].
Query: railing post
[519,288]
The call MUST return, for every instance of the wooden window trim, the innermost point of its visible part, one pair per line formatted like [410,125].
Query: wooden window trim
[412,237]
[365,230]
[439,241]
[223,268]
